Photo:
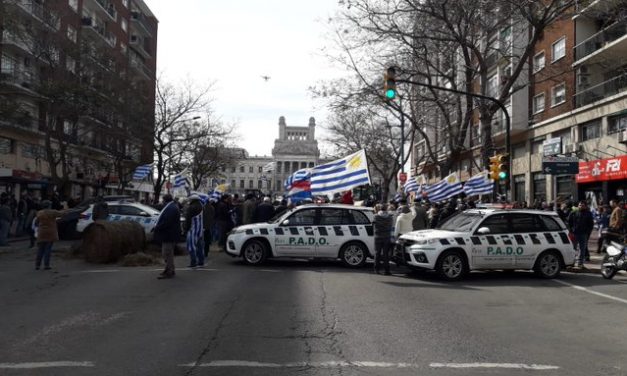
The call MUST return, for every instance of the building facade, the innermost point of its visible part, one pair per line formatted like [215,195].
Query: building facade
[575,89]
[104,51]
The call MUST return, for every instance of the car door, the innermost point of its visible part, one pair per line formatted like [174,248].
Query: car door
[332,231]
[132,213]
[297,237]
[528,237]
[494,249]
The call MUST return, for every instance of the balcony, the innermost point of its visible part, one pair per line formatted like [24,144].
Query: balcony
[596,7]
[594,49]
[38,11]
[141,68]
[138,19]
[106,8]
[601,91]
[98,28]
[139,44]
[21,79]
[21,43]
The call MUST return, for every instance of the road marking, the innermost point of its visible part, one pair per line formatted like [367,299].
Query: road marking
[534,367]
[365,364]
[32,365]
[269,270]
[581,288]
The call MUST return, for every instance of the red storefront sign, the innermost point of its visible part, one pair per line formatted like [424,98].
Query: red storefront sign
[603,170]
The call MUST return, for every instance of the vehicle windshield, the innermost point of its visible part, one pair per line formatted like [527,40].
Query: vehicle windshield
[147,209]
[462,222]
[278,217]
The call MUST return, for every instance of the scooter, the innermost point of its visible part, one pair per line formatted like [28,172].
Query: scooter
[608,236]
[614,260]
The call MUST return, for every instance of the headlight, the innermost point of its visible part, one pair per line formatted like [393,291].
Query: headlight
[425,241]
[236,231]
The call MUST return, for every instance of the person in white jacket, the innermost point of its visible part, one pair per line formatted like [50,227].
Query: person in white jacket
[404,222]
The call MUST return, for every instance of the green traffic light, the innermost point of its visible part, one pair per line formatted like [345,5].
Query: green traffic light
[390,94]
[502,175]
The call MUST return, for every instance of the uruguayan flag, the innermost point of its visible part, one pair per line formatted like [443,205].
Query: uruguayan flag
[412,185]
[203,197]
[479,185]
[445,189]
[141,172]
[195,233]
[340,175]
[182,180]
[298,179]
[215,196]
[268,167]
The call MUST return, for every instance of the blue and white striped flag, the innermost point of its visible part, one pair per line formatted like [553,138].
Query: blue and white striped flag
[215,196]
[141,172]
[204,198]
[447,188]
[412,185]
[340,175]
[195,233]
[182,180]
[479,185]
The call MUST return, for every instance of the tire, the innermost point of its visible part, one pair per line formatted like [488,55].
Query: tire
[451,266]
[254,252]
[608,272]
[354,255]
[548,265]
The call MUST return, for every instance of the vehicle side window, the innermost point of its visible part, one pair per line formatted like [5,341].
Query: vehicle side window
[114,209]
[305,217]
[128,210]
[360,218]
[522,222]
[497,224]
[550,223]
[333,217]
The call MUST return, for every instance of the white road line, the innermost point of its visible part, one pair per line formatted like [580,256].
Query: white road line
[581,288]
[32,365]
[534,367]
[365,364]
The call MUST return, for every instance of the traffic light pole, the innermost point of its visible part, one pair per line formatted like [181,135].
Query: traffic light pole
[508,146]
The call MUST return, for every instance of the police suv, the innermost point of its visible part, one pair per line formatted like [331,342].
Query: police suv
[308,231]
[491,239]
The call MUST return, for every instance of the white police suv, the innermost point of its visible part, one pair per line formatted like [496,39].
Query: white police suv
[308,231]
[491,239]
[123,211]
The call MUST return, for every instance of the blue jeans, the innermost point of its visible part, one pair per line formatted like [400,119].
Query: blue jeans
[44,251]
[582,244]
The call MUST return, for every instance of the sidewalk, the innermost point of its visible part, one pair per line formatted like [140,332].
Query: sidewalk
[596,259]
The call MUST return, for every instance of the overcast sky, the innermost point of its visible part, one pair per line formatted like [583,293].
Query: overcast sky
[236,42]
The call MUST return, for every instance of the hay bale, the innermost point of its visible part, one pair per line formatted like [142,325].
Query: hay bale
[107,242]
[138,259]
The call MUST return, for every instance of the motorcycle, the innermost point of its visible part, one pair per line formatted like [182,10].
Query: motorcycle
[607,237]
[614,260]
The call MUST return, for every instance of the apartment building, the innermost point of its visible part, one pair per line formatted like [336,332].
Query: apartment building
[575,89]
[77,86]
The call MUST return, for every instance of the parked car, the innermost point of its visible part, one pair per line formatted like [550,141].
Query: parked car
[145,215]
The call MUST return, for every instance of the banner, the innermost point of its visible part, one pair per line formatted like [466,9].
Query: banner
[603,170]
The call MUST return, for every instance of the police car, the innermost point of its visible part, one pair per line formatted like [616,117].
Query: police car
[491,239]
[308,231]
[123,211]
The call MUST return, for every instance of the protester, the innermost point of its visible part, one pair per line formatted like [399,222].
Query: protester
[404,222]
[223,219]
[603,222]
[193,228]
[382,229]
[100,212]
[616,218]
[421,219]
[209,214]
[581,224]
[168,232]
[281,208]
[47,232]
[248,209]
[264,212]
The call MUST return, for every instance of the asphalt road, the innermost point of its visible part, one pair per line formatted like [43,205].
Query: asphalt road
[306,318]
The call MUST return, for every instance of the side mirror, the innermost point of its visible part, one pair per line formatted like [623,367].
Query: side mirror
[144,214]
[285,222]
[483,230]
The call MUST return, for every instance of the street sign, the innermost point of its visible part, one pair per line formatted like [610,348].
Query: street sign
[552,146]
[402,177]
[560,165]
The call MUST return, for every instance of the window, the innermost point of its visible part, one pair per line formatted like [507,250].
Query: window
[536,146]
[493,85]
[565,186]
[525,223]
[71,33]
[32,151]
[241,184]
[539,186]
[549,223]
[519,150]
[496,223]
[250,169]
[331,217]
[305,217]
[250,184]
[360,218]
[259,184]
[558,94]
[129,210]
[7,146]
[70,64]
[538,103]
[233,170]
[260,169]
[73,5]
[558,49]
[591,130]
[241,169]
[538,62]
[124,25]
[519,188]
[617,123]
[233,183]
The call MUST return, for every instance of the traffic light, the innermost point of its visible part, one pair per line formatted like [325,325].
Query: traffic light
[494,167]
[503,167]
[389,83]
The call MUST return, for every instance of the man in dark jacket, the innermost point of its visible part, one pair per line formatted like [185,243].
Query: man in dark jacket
[168,232]
[209,218]
[581,223]
[264,212]
[382,236]
[281,208]
[223,219]
[248,209]
[421,220]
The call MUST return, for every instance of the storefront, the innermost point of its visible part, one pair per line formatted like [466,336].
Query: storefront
[605,178]
[15,182]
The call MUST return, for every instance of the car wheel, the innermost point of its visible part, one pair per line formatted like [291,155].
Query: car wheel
[548,265]
[451,266]
[354,255]
[254,252]
[608,272]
